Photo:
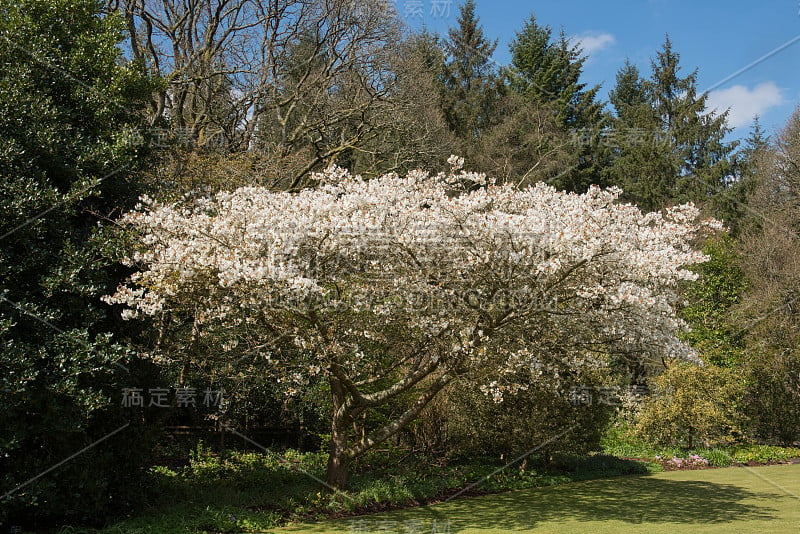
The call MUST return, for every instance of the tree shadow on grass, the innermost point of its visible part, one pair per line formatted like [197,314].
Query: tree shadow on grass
[635,500]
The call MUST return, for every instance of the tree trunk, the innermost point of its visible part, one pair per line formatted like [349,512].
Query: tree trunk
[339,457]
[338,464]
[342,451]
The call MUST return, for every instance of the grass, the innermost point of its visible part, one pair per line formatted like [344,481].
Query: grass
[708,501]
[247,492]
[255,492]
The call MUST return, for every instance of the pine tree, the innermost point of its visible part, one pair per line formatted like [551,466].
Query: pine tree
[669,148]
[640,160]
[757,141]
[532,60]
[470,79]
[697,137]
[547,73]
[666,88]
[629,97]
[753,159]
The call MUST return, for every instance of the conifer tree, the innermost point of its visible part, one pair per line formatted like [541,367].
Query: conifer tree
[470,79]
[547,71]
[629,97]
[733,206]
[670,149]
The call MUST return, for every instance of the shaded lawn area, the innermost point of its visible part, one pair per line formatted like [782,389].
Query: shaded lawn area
[713,500]
[253,492]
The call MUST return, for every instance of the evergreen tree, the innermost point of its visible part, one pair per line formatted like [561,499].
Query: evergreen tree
[629,97]
[669,149]
[470,81]
[731,205]
[532,61]
[547,72]
[638,135]
[757,141]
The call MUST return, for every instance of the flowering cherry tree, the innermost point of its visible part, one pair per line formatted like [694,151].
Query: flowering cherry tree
[397,286]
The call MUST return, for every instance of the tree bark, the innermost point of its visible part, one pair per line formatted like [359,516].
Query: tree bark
[338,465]
[339,457]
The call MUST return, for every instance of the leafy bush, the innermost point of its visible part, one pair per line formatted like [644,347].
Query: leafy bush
[66,97]
[773,395]
[718,458]
[763,454]
[693,404]
[710,301]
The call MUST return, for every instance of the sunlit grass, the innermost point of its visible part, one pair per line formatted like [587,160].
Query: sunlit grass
[760,499]
[255,492]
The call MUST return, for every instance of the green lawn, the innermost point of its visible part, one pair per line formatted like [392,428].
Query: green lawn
[759,499]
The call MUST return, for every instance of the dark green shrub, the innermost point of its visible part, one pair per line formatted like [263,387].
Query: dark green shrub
[66,100]
[773,396]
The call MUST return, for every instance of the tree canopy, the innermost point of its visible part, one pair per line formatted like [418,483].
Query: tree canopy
[402,285]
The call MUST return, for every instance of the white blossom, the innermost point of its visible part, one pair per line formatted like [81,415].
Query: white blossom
[404,252]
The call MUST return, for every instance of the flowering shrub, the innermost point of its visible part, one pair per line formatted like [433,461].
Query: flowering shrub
[400,285]
[694,461]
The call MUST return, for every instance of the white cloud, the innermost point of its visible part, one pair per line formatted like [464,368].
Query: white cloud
[745,103]
[592,42]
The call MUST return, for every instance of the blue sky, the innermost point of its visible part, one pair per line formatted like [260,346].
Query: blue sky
[718,38]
